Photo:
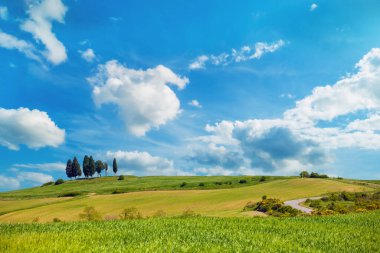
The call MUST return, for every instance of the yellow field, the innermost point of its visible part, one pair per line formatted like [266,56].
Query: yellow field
[222,202]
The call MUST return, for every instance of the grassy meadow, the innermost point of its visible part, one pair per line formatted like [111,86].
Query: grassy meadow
[358,232]
[227,202]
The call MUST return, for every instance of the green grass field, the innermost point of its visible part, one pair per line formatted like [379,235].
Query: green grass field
[208,202]
[341,233]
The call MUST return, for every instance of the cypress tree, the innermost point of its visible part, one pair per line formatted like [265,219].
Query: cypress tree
[86,166]
[99,167]
[105,166]
[92,166]
[69,169]
[114,166]
[76,168]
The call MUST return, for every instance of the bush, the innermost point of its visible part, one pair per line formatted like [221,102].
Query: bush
[262,179]
[90,214]
[202,184]
[59,181]
[188,214]
[315,203]
[118,191]
[121,177]
[159,214]
[131,213]
[218,183]
[242,181]
[264,197]
[48,183]
[56,220]
[183,184]
[69,194]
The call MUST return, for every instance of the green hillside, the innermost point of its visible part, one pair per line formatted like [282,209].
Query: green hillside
[207,202]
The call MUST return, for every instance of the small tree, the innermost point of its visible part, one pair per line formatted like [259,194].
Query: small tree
[114,166]
[69,169]
[105,167]
[86,166]
[90,214]
[92,166]
[76,168]
[99,167]
[304,174]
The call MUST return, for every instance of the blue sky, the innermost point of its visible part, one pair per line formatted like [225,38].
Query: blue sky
[189,87]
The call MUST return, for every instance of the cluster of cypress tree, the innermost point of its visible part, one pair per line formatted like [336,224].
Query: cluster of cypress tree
[73,168]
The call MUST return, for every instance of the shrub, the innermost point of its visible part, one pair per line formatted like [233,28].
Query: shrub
[48,183]
[202,184]
[242,181]
[121,177]
[159,214]
[188,214]
[118,191]
[262,179]
[264,197]
[130,213]
[183,184]
[218,183]
[59,181]
[90,214]
[315,203]
[69,194]
[56,220]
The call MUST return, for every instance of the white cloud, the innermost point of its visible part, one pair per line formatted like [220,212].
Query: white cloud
[143,163]
[57,166]
[11,42]
[88,55]
[41,16]
[3,12]
[313,6]
[245,53]
[33,128]
[199,63]
[195,103]
[214,171]
[144,97]
[34,177]
[298,140]
[9,182]
[287,95]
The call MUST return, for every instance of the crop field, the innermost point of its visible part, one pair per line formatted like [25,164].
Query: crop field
[342,233]
[208,202]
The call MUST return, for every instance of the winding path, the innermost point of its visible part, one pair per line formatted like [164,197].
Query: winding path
[295,203]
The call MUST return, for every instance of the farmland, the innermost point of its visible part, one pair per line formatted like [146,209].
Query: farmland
[353,232]
[223,202]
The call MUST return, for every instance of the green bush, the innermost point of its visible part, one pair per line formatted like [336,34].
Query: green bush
[69,194]
[183,184]
[121,177]
[131,213]
[242,181]
[202,184]
[56,220]
[262,179]
[48,183]
[59,181]
[90,214]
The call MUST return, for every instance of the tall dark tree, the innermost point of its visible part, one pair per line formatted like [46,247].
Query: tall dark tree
[76,168]
[92,166]
[99,167]
[86,166]
[105,166]
[114,166]
[69,169]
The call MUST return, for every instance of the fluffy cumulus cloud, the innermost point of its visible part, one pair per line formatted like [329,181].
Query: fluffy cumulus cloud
[144,97]
[32,128]
[42,13]
[298,139]
[143,163]
[88,55]
[245,53]
[9,182]
[21,178]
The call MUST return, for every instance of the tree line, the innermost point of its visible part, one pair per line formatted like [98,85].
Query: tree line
[90,167]
[306,174]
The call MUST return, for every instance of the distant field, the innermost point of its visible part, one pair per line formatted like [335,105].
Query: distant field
[219,202]
[342,233]
[107,185]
